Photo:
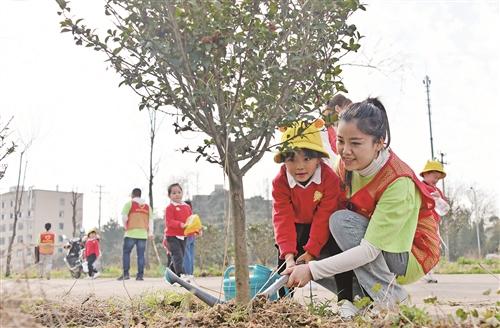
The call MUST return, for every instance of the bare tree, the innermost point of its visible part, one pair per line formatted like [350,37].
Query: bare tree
[74,210]
[5,148]
[17,208]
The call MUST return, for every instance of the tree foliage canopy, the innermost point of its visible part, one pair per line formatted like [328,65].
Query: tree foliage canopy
[234,70]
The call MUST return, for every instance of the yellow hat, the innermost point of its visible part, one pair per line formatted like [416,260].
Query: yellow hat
[433,166]
[193,224]
[91,230]
[302,135]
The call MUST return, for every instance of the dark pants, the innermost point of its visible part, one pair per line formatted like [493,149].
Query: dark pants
[177,249]
[128,245]
[343,280]
[90,264]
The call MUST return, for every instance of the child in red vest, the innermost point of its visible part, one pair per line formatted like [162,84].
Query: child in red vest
[92,252]
[176,215]
[387,231]
[305,194]
[431,174]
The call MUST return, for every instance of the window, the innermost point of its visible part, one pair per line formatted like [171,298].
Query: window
[3,216]
[19,239]
[20,226]
[20,214]
[11,215]
[61,226]
[29,213]
[61,214]
[59,250]
[3,204]
[11,203]
[29,238]
[2,228]
[60,239]
[62,201]
[11,226]
[2,241]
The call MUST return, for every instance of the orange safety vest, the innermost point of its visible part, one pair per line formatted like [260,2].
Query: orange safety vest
[426,247]
[138,216]
[47,241]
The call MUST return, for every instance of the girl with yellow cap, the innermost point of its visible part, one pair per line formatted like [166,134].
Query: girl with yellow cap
[305,193]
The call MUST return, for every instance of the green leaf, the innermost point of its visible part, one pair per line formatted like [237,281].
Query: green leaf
[461,314]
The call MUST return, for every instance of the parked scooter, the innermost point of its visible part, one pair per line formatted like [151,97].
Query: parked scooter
[74,256]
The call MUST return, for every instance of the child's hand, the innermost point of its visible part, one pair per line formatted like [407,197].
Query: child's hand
[289,260]
[305,258]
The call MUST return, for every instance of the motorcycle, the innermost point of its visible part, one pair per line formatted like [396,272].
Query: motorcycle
[74,257]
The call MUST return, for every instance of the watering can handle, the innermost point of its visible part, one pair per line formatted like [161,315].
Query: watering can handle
[277,285]
[230,269]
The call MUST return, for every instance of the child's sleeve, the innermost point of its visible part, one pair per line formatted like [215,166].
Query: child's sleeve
[283,218]
[320,231]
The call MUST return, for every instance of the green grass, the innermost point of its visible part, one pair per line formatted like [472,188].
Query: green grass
[468,266]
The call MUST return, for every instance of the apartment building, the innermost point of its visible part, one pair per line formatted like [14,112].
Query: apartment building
[37,208]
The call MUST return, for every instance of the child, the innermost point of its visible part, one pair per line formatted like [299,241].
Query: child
[190,246]
[176,215]
[305,194]
[431,174]
[92,252]
[388,229]
[334,107]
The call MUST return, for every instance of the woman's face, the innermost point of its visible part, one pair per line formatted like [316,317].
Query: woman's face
[301,167]
[176,194]
[356,148]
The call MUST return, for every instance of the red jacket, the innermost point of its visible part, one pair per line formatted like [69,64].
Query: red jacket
[312,205]
[92,247]
[175,216]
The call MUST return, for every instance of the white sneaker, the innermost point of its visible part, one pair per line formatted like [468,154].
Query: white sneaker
[97,274]
[347,310]
[186,278]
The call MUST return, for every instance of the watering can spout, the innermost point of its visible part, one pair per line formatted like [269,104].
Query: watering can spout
[210,300]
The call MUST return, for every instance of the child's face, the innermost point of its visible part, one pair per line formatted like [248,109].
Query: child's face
[432,177]
[92,235]
[176,194]
[300,167]
[356,148]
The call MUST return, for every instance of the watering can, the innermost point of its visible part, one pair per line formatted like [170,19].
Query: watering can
[260,279]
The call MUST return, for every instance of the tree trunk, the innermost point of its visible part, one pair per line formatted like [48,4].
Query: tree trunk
[237,212]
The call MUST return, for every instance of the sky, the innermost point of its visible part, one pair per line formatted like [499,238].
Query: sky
[85,131]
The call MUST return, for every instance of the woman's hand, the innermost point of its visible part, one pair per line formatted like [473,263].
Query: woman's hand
[300,275]
[304,258]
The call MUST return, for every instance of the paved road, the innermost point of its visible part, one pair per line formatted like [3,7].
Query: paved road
[452,291]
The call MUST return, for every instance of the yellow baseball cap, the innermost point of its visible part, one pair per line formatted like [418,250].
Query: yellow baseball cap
[302,135]
[433,166]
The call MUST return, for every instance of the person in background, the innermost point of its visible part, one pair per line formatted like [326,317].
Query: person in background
[46,245]
[431,174]
[137,220]
[334,107]
[92,252]
[189,253]
[176,215]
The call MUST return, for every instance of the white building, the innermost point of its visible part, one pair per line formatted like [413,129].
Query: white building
[37,208]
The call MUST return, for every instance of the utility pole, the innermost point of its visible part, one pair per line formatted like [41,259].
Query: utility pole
[427,83]
[476,217]
[100,198]
[443,163]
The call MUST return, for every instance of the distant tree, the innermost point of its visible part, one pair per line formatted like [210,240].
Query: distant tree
[74,210]
[234,70]
[261,242]
[111,242]
[5,148]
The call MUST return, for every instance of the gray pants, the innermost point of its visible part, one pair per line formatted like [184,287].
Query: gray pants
[377,278]
[45,266]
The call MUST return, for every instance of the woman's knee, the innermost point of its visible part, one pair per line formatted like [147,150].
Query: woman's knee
[347,226]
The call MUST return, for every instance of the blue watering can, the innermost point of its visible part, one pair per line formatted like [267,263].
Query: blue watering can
[260,279]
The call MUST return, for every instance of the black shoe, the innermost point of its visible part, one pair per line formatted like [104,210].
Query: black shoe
[124,277]
[139,278]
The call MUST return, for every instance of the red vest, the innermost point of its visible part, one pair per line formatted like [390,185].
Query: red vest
[138,216]
[47,241]
[425,246]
